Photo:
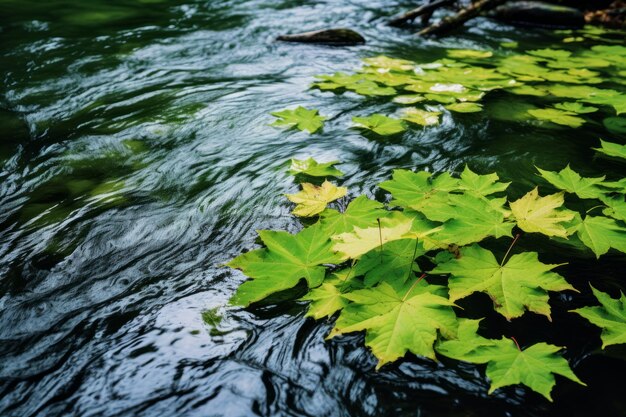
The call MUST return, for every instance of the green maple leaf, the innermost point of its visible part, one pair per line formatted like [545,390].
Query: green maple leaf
[313,168]
[327,299]
[612,149]
[482,185]
[380,124]
[287,259]
[393,262]
[398,320]
[575,107]
[522,283]
[465,107]
[357,243]
[416,190]
[601,233]
[471,219]
[559,117]
[361,212]
[421,117]
[301,118]
[506,363]
[610,317]
[535,214]
[570,181]
[370,88]
[616,207]
[312,199]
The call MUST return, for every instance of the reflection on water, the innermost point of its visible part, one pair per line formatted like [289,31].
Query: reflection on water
[136,158]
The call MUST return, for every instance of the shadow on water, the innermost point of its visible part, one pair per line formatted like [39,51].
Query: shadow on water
[136,158]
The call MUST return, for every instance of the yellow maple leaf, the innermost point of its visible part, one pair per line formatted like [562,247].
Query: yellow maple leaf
[540,214]
[312,199]
[360,241]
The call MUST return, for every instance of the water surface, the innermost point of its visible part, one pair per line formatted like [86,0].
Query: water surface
[136,157]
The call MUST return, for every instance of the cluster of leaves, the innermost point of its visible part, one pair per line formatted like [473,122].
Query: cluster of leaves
[461,80]
[372,265]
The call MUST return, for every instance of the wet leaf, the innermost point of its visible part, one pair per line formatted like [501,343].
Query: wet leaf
[535,214]
[300,118]
[380,124]
[313,168]
[313,199]
[506,364]
[398,321]
[520,284]
[610,317]
[570,181]
[601,234]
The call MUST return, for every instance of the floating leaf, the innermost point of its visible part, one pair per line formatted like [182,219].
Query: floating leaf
[570,181]
[610,317]
[384,62]
[535,214]
[301,118]
[393,262]
[481,185]
[559,117]
[506,363]
[312,199]
[313,168]
[601,233]
[415,190]
[575,107]
[522,283]
[353,245]
[380,124]
[612,149]
[398,321]
[361,212]
[287,259]
[408,99]
[465,107]
[468,53]
[421,117]
[615,124]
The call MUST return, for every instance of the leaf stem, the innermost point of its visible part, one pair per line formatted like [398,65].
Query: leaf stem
[413,286]
[412,260]
[516,344]
[595,207]
[509,250]
[345,280]
[380,237]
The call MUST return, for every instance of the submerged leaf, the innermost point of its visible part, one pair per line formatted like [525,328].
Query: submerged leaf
[312,199]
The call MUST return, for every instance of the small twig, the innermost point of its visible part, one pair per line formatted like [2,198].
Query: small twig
[509,250]
[419,11]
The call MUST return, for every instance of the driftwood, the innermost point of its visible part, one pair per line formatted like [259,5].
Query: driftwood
[450,23]
[425,11]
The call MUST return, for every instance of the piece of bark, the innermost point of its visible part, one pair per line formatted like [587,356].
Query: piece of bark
[424,10]
[450,23]
[340,36]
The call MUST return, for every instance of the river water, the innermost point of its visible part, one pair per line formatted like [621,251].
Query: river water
[136,157]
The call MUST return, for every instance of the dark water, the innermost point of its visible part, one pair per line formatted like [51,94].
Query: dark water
[136,157]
